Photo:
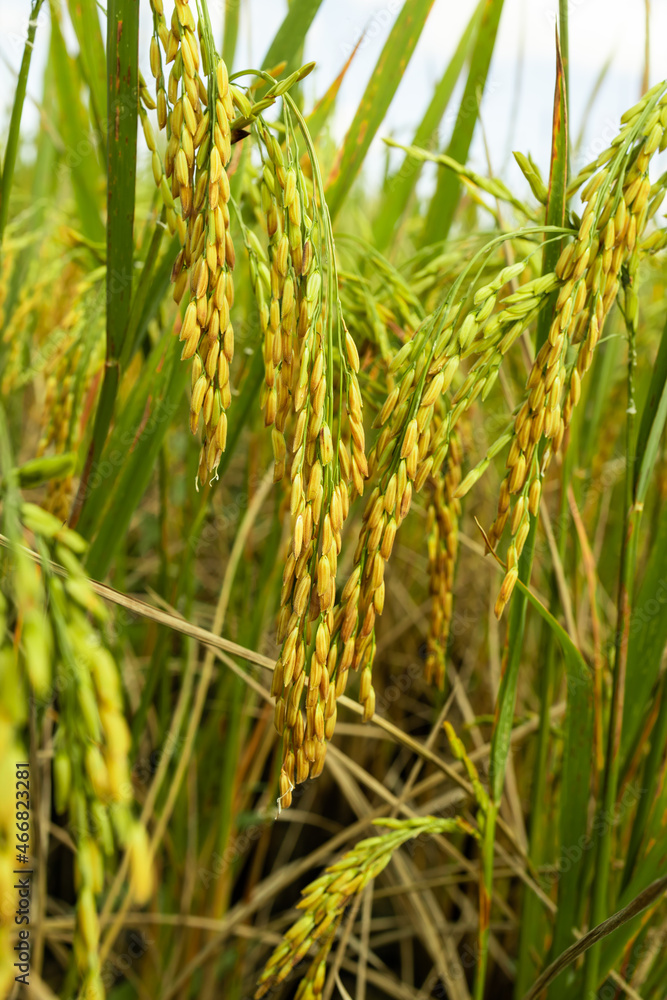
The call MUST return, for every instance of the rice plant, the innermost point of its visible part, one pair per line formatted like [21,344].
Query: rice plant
[362,608]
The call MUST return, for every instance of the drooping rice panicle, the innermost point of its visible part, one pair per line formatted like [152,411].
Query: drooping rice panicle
[590,271]
[443,517]
[325,900]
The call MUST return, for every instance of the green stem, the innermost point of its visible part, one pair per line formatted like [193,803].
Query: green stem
[600,903]
[500,746]
[122,113]
[504,716]
[532,911]
[11,149]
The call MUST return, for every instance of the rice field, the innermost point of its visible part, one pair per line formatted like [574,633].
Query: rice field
[333,529]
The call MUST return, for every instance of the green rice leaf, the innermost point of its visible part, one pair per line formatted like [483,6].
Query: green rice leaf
[80,150]
[373,106]
[401,184]
[92,57]
[291,34]
[231,31]
[322,111]
[118,482]
[12,141]
[443,203]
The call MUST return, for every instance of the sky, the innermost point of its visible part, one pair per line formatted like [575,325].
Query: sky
[516,111]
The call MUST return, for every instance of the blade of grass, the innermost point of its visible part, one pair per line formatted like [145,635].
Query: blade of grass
[231,31]
[504,714]
[401,184]
[43,186]
[651,799]
[573,808]
[86,23]
[116,487]
[652,422]
[122,115]
[648,635]
[647,898]
[151,288]
[291,34]
[443,203]
[590,103]
[650,781]
[322,111]
[648,632]
[12,144]
[577,767]
[601,899]
[500,745]
[80,153]
[382,86]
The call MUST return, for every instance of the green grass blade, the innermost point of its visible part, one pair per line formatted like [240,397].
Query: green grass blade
[613,953]
[12,145]
[555,215]
[648,628]
[500,746]
[291,35]
[576,778]
[577,751]
[231,31]
[44,182]
[373,106]
[444,201]
[402,183]
[80,156]
[651,780]
[127,462]
[618,921]
[648,636]
[122,112]
[151,288]
[322,111]
[86,24]
[122,115]
[652,423]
